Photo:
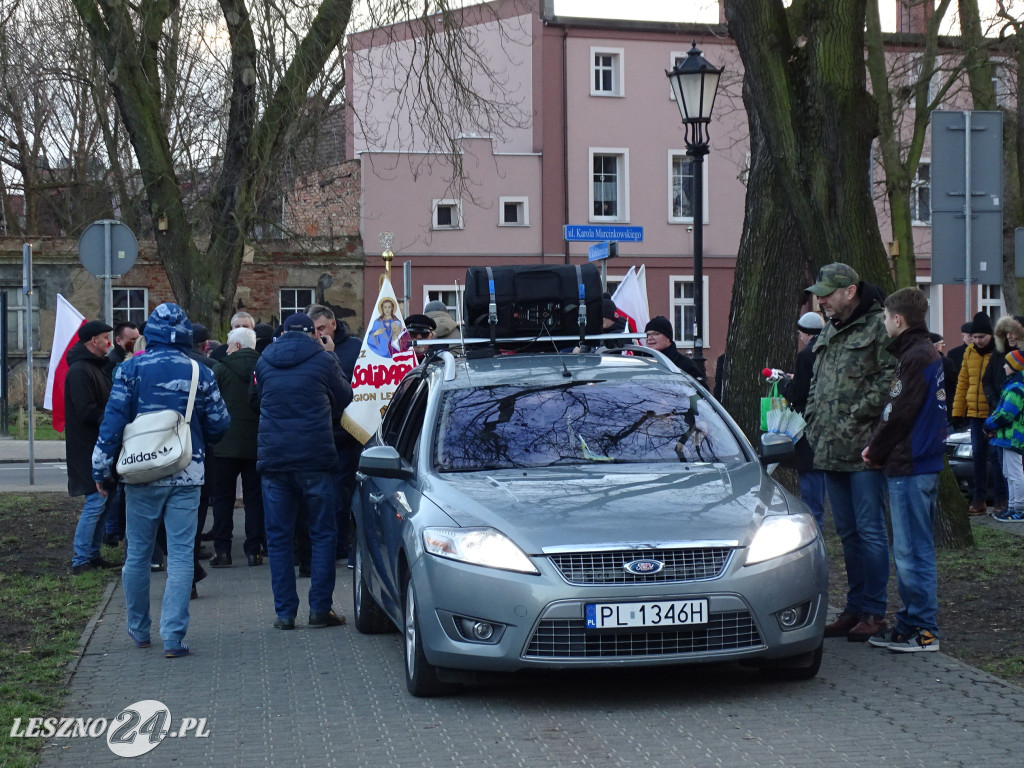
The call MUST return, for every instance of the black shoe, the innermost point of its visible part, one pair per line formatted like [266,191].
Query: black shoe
[195,593]
[282,623]
[208,536]
[204,554]
[83,568]
[304,572]
[264,553]
[157,567]
[254,560]
[329,619]
[221,560]
[112,539]
[106,565]
[198,574]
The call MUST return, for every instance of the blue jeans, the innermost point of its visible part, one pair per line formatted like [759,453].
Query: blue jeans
[812,493]
[89,532]
[858,508]
[147,507]
[912,501]
[283,493]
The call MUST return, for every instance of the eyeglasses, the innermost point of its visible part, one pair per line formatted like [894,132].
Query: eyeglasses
[419,334]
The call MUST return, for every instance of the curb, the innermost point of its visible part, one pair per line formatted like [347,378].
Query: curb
[90,629]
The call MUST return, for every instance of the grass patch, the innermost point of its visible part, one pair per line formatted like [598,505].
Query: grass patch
[17,425]
[45,611]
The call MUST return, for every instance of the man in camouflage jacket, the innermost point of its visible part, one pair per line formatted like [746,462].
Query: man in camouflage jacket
[852,374]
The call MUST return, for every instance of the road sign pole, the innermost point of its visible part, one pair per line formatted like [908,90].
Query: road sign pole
[26,262]
[108,294]
[967,215]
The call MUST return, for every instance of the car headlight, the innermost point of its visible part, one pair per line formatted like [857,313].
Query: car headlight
[479,546]
[964,451]
[781,534]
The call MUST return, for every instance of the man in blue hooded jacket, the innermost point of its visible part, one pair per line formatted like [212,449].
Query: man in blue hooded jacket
[301,392]
[157,380]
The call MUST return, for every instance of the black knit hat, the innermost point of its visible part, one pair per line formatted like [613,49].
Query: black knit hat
[608,309]
[660,324]
[981,324]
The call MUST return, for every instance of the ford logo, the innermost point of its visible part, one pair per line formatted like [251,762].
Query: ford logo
[644,567]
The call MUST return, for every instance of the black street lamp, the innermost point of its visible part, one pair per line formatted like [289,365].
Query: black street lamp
[695,83]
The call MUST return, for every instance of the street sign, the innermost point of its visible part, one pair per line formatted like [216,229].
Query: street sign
[1018,251]
[92,248]
[959,154]
[598,251]
[595,232]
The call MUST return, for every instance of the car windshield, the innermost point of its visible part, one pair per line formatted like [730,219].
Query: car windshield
[653,419]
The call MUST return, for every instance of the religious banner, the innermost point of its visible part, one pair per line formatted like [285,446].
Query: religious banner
[383,361]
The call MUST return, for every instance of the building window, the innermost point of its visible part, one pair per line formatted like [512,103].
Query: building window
[684,313]
[16,319]
[933,317]
[295,300]
[609,188]
[606,72]
[447,214]
[921,195]
[450,295]
[675,59]
[1001,85]
[513,212]
[681,189]
[990,301]
[130,305]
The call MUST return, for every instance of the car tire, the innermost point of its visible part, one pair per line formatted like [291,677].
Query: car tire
[420,675]
[802,667]
[370,618]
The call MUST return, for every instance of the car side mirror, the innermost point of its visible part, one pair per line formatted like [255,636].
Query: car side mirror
[776,447]
[383,461]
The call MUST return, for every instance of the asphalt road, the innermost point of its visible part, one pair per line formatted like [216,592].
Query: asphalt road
[49,476]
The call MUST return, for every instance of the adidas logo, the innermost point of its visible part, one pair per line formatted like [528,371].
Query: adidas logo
[165,450]
[135,458]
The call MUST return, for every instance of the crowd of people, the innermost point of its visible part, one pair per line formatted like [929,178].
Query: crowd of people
[247,401]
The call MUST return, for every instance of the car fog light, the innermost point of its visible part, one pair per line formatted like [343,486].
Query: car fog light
[794,617]
[482,630]
[789,617]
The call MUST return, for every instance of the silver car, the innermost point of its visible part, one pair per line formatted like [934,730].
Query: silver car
[577,510]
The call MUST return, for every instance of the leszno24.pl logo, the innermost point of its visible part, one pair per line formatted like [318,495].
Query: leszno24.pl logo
[135,730]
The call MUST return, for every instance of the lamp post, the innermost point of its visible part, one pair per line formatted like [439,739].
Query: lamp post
[695,83]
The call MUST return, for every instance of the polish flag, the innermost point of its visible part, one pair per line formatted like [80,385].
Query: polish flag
[631,300]
[65,336]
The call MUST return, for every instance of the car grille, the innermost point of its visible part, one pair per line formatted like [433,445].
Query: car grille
[692,564]
[570,640]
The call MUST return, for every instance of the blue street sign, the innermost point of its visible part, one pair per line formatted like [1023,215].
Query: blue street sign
[595,232]
[598,251]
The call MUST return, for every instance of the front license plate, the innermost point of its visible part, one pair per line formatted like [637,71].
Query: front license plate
[660,614]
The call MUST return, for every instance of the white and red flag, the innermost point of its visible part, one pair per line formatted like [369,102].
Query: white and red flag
[631,300]
[65,336]
[383,362]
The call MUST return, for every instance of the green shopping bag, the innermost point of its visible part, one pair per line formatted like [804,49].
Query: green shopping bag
[774,400]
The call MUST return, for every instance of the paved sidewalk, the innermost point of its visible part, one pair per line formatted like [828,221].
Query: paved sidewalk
[12,450]
[334,697]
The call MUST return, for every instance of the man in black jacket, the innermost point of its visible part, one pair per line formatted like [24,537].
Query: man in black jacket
[660,337]
[86,391]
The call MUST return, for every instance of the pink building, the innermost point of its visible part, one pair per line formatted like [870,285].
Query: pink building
[591,135]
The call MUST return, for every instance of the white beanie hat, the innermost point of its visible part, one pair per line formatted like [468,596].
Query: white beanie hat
[810,322]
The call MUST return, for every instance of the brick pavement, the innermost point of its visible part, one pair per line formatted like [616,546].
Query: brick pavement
[333,697]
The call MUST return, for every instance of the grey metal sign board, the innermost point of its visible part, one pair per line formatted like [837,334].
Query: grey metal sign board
[124,248]
[949,238]
[948,163]
[1018,251]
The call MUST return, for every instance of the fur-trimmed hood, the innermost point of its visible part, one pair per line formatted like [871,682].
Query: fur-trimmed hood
[1009,324]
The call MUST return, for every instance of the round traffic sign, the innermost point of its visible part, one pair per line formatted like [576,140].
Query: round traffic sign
[124,248]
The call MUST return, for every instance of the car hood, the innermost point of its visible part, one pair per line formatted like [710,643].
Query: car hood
[583,507]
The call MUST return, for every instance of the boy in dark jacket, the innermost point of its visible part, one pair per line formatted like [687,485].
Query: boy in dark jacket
[1005,427]
[908,445]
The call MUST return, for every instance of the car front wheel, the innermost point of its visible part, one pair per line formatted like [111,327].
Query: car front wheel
[370,618]
[802,667]
[420,675]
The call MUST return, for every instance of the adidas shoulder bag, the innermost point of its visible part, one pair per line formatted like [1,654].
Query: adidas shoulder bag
[158,444]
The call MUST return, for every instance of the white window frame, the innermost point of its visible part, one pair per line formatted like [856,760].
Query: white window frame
[435,293]
[16,313]
[987,302]
[674,303]
[933,318]
[916,185]
[292,309]
[1001,84]
[675,58]
[457,221]
[914,74]
[672,154]
[128,288]
[622,185]
[524,209]
[618,56]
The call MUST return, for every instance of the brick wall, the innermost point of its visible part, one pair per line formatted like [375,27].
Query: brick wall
[325,202]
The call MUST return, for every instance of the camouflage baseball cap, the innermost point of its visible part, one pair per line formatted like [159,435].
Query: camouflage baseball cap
[832,277]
